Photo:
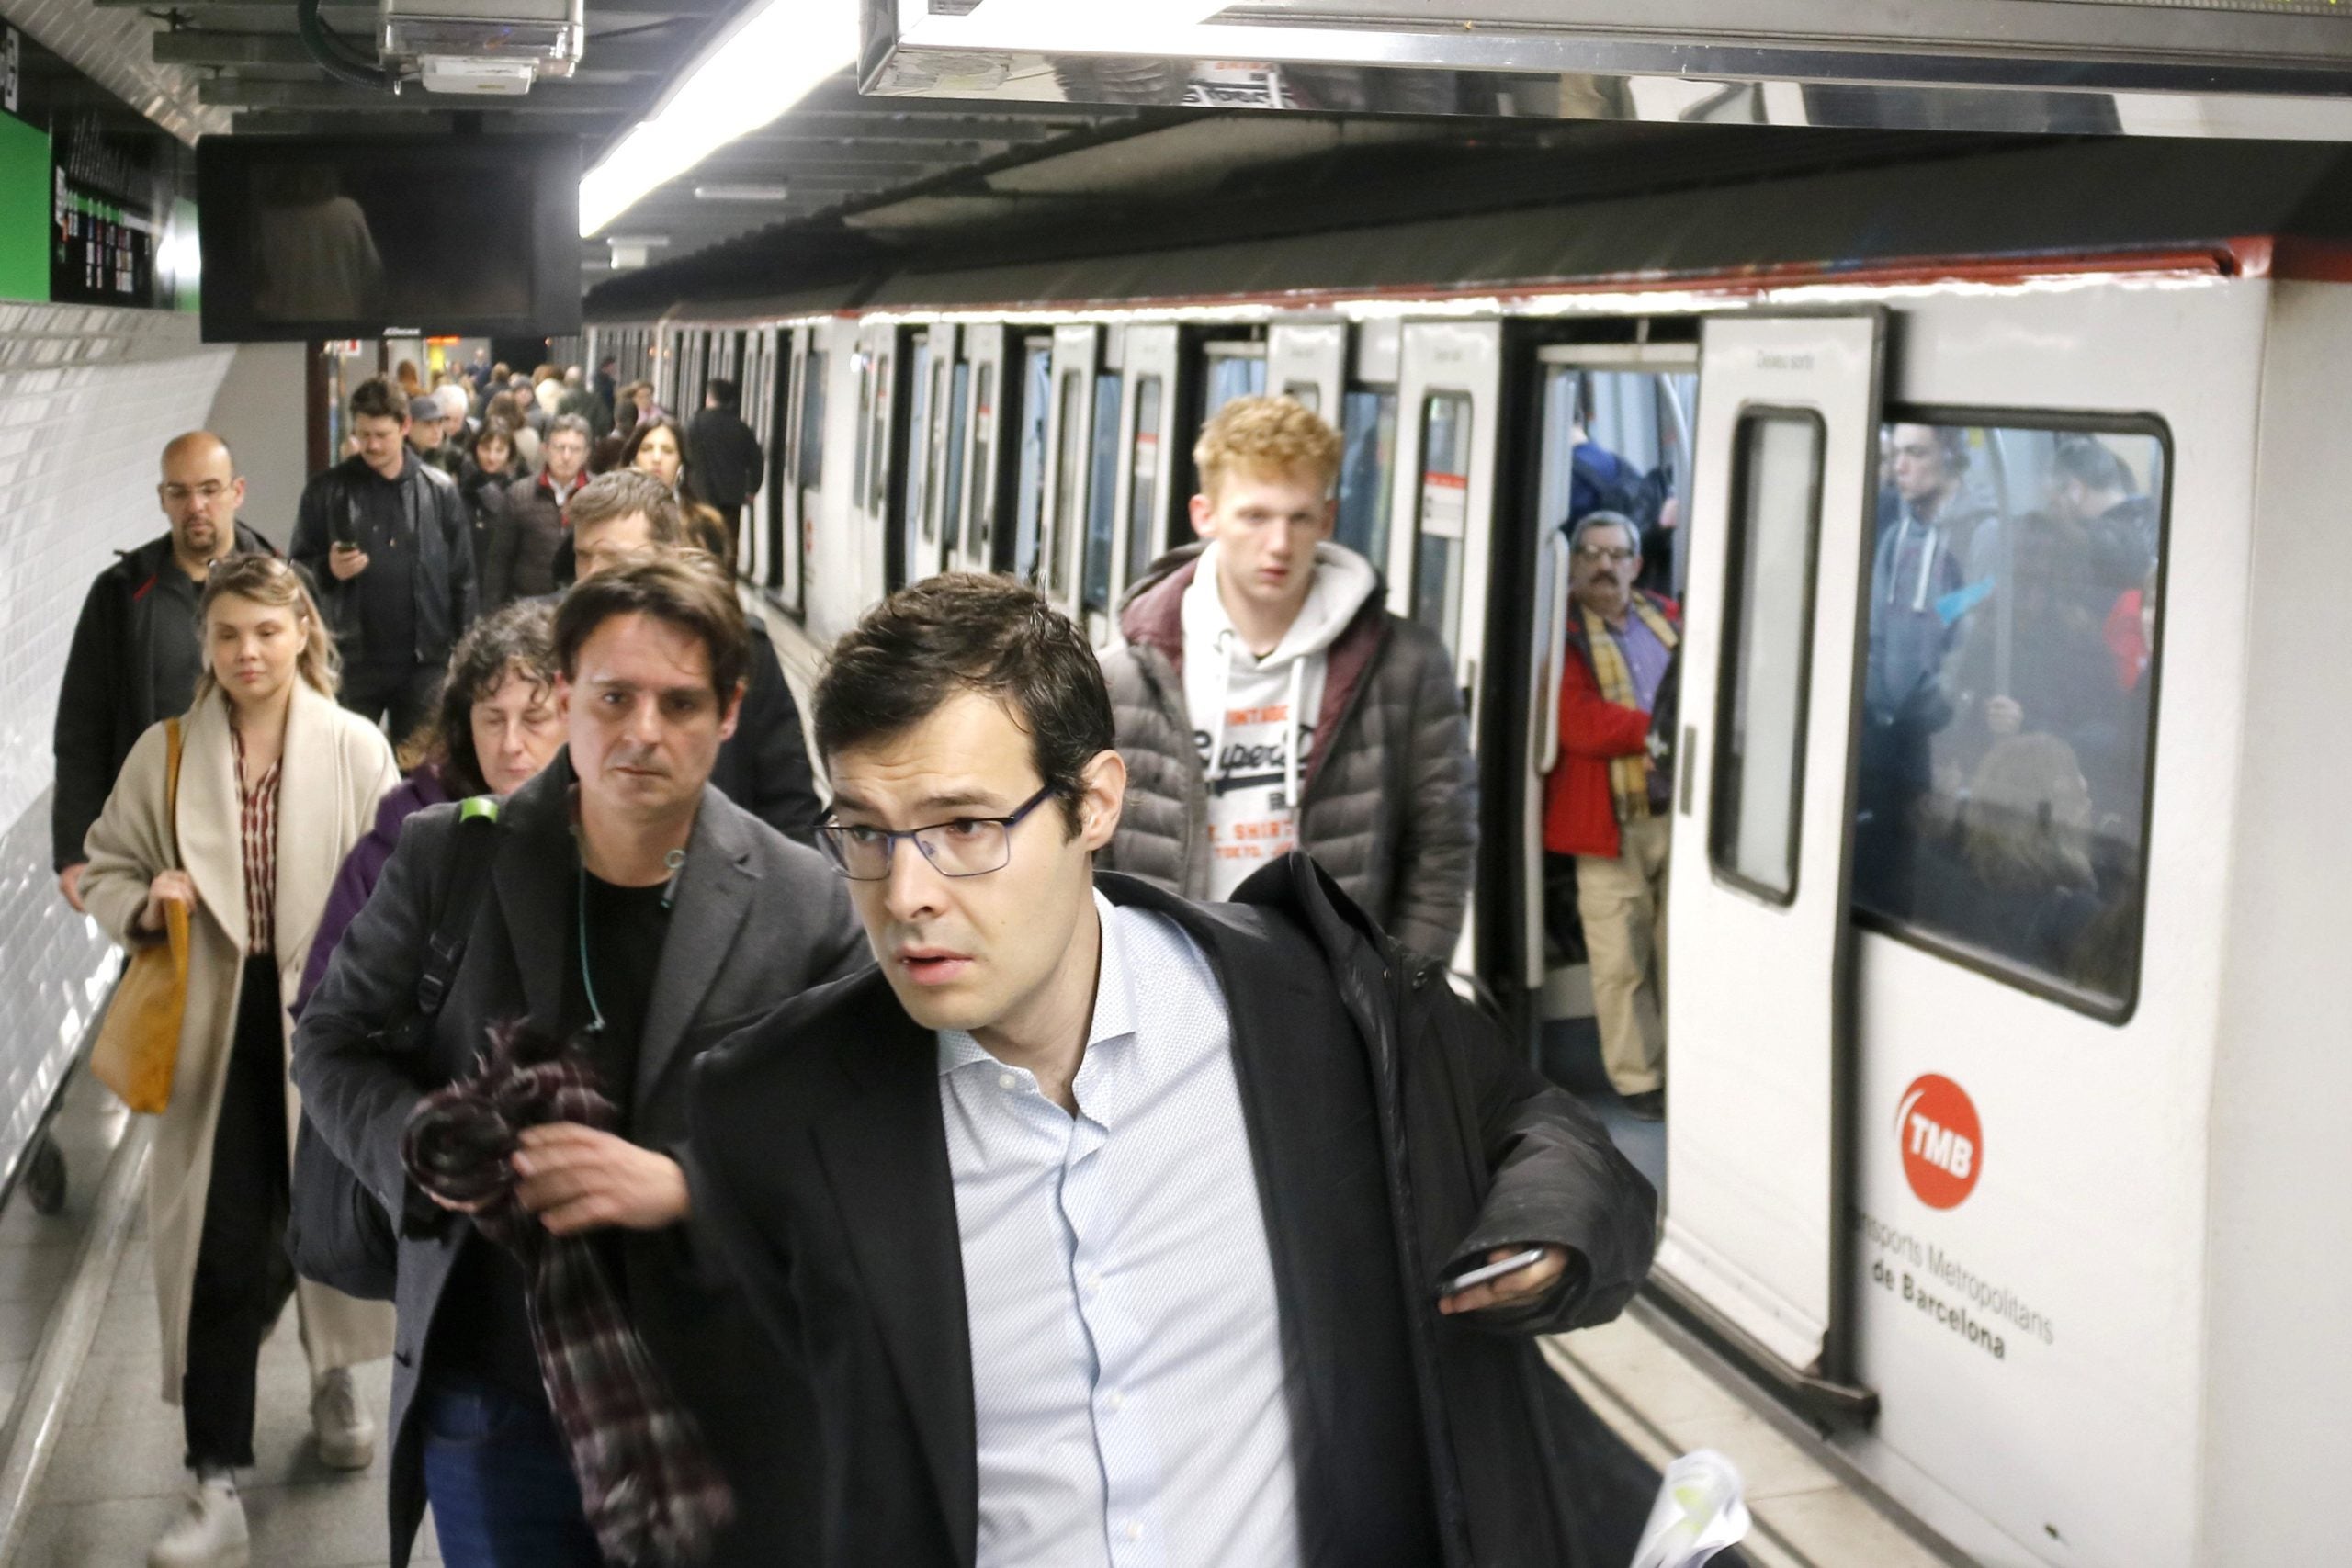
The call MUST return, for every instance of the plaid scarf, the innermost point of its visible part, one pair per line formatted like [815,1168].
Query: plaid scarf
[651,1492]
[1629,785]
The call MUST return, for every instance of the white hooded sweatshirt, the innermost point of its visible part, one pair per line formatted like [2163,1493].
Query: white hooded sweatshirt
[1253,720]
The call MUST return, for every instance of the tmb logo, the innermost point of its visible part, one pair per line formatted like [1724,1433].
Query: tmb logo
[1943,1146]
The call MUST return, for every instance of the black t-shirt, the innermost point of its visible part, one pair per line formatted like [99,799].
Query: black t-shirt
[387,590]
[482,1332]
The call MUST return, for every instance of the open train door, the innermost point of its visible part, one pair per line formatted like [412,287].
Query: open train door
[1760,1053]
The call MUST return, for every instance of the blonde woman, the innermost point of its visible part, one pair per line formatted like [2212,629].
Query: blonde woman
[276,784]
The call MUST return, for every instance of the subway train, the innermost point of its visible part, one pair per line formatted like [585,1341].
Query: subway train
[2004,1080]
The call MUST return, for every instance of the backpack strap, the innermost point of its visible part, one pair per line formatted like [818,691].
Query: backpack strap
[472,850]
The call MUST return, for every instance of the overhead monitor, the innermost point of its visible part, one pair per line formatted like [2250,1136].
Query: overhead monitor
[311,237]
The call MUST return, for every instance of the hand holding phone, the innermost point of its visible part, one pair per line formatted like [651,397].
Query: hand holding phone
[1506,1276]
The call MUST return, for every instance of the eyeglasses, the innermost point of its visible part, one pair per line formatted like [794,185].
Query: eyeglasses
[180,495]
[1600,553]
[968,846]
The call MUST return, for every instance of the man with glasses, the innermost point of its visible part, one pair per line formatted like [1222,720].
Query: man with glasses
[1607,803]
[135,656]
[634,909]
[1113,1227]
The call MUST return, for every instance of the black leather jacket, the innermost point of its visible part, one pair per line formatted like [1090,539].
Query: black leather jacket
[446,593]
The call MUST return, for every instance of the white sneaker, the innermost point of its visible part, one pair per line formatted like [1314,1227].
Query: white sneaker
[347,1434]
[210,1531]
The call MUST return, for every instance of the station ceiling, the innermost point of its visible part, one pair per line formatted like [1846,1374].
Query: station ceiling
[835,147]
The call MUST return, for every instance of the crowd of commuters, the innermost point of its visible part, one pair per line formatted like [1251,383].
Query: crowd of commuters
[1000,1081]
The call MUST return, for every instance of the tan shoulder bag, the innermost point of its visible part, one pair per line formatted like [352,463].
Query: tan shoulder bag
[139,1044]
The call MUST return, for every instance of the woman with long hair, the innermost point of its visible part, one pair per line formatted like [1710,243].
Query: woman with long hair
[491,465]
[658,447]
[277,783]
[497,726]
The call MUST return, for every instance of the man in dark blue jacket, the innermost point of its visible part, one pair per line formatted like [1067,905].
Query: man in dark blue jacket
[136,651]
[386,538]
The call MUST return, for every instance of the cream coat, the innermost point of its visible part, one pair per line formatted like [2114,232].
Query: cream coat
[337,767]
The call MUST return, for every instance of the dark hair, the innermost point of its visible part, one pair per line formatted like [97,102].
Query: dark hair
[620,493]
[970,632]
[379,398]
[2092,464]
[688,495]
[682,588]
[723,392]
[516,640]
[487,429]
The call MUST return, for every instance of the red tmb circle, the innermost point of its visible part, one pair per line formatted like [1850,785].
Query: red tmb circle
[1942,1142]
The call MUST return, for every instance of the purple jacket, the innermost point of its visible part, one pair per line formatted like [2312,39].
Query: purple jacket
[362,866]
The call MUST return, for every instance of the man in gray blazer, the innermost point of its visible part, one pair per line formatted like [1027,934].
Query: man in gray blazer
[635,909]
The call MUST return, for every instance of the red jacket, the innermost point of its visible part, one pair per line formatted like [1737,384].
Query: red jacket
[1579,813]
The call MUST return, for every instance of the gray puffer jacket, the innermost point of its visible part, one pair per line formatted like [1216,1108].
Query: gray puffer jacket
[1390,799]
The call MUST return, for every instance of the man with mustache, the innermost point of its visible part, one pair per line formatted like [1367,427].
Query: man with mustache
[634,909]
[135,656]
[1606,803]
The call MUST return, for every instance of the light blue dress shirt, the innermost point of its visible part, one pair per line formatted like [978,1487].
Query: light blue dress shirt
[1126,1355]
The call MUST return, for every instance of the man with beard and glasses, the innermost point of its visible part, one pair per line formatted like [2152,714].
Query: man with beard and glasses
[136,657]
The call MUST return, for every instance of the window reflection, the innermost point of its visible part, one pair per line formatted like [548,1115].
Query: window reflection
[2007,714]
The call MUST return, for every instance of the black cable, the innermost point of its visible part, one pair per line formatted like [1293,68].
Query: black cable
[336,57]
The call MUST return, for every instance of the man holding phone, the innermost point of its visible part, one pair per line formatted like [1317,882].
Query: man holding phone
[1111,1227]
[388,542]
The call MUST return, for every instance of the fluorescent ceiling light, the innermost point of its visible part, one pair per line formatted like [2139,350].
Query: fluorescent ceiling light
[744,190]
[1082,25]
[749,76]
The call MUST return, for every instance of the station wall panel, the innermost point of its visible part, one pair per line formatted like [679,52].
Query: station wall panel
[88,396]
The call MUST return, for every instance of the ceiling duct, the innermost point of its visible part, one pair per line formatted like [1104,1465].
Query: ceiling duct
[2225,68]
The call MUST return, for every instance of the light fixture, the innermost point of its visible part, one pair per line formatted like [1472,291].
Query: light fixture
[747,77]
[774,190]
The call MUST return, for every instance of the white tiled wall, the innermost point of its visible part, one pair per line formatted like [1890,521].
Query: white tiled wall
[88,396]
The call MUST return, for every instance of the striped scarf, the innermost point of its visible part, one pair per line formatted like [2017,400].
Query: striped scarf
[651,1491]
[1629,785]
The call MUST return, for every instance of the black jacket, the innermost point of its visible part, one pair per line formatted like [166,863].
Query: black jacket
[445,597]
[1394,1134]
[109,696]
[525,532]
[724,457]
[484,494]
[763,766]
[756,921]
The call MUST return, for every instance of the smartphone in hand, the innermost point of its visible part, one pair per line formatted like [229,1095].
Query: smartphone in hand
[1479,1276]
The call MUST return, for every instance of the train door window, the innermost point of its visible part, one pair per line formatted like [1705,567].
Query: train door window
[1445,497]
[1368,425]
[976,519]
[1071,487]
[1036,392]
[1235,370]
[2010,704]
[810,451]
[1102,491]
[878,479]
[912,533]
[813,387]
[953,502]
[1307,394]
[1143,482]
[1759,746]
[864,428]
